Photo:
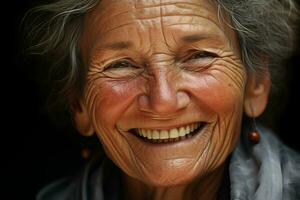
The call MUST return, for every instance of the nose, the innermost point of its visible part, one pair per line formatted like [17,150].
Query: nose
[163,97]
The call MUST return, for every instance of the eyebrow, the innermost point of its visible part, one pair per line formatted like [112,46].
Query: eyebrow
[119,45]
[193,38]
[127,44]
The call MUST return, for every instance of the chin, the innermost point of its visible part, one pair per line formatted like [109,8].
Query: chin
[170,178]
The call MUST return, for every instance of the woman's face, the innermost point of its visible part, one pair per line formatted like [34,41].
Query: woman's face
[162,70]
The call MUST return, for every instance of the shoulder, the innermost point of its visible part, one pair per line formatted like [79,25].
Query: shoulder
[61,189]
[72,188]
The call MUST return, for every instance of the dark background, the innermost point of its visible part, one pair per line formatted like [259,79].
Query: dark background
[35,152]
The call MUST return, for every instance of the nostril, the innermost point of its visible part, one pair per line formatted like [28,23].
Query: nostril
[183,99]
[144,103]
[143,100]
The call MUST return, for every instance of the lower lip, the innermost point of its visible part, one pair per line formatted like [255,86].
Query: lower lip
[173,140]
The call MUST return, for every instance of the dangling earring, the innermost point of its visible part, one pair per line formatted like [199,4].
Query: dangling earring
[85,153]
[253,135]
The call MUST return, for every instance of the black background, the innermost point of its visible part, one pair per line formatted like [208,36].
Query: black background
[34,151]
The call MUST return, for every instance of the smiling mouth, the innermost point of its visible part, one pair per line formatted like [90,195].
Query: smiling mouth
[169,135]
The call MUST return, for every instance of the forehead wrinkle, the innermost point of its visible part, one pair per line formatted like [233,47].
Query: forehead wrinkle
[201,32]
[149,4]
[140,11]
[132,9]
[197,21]
[186,9]
[152,12]
[195,17]
[164,11]
[179,4]
[146,24]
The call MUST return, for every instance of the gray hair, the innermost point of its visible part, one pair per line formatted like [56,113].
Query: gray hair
[264,28]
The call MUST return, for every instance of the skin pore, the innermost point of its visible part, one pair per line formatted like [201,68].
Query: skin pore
[156,65]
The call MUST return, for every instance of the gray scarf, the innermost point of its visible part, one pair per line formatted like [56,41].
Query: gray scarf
[268,170]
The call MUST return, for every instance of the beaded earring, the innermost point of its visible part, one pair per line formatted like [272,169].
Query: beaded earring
[253,135]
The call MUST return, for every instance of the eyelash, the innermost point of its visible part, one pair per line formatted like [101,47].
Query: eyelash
[201,54]
[128,64]
[116,64]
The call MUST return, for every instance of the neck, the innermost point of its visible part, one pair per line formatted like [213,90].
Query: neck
[203,188]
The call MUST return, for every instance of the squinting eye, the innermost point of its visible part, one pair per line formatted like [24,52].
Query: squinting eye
[198,61]
[120,65]
[124,68]
[202,54]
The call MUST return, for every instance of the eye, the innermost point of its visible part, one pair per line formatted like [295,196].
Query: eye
[121,64]
[198,61]
[202,55]
[122,69]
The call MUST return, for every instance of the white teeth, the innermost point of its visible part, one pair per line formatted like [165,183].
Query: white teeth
[188,129]
[144,133]
[155,135]
[164,134]
[174,133]
[149,135]
[167,134]
[182,131]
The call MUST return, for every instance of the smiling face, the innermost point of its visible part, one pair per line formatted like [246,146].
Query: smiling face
[165,88]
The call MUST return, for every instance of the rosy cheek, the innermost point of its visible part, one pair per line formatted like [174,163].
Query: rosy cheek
[216,92]
[113,99]
[222,102]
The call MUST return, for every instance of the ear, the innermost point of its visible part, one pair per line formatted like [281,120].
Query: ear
[257,93]
[82,121]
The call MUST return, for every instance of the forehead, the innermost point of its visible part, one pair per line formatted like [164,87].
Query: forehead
[148,21]
[151,9]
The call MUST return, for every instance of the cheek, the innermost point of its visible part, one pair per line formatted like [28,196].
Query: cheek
[110,101]
[215,90]
[222,91]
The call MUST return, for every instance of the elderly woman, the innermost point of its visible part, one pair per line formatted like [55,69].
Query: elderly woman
[172,88]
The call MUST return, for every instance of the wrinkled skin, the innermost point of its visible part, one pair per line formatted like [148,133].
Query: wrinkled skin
[161,65]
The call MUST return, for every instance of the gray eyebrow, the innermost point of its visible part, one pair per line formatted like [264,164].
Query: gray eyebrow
[193,38]
[119,45]
[127,44]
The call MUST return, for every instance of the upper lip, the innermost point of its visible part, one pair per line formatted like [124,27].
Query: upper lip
[167,127]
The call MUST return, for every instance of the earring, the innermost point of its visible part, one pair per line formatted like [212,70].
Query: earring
[254,136]
[85,153]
